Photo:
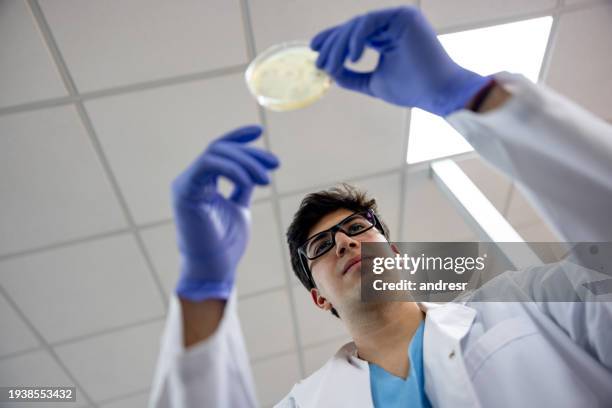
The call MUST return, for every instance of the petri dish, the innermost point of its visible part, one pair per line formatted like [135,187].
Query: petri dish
[285,77]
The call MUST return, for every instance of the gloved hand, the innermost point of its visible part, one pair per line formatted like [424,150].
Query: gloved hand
[212,230]
[413,69]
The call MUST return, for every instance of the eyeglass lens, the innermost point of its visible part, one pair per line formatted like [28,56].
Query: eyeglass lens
[324,241]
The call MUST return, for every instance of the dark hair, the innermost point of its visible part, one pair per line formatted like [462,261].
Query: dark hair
[314,207]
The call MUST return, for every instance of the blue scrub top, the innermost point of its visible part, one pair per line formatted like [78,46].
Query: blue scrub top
[391,391]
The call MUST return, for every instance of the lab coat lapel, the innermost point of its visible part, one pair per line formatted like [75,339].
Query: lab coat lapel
[344,382]
[345,379]
[446,380]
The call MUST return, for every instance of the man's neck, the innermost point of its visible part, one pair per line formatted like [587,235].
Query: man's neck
[383,332]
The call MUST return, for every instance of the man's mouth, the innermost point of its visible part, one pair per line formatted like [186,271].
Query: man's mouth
[351,263]
[355,261]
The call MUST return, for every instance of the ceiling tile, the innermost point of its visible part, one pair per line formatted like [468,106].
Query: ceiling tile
[316,356]
[82,288]
[52,185]
[28,72]
[571,2]
[315,325]
[527,220]
[275,377]
[429,216]
[385,189]
[113,43]
[493,184]
[16,336]
[263,335]
[449,13]
[327,142]
[37,369]
[583,72]
[137,401]
[520,211]
[261,267]
[276,21]
[538,232]
[288,207]
[152,136]
[114,364]
[161,245]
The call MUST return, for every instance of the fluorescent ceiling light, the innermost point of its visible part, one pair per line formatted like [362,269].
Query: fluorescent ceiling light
[516,47]
[481,214]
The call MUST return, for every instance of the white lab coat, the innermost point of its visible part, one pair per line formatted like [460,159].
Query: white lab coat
[475,354]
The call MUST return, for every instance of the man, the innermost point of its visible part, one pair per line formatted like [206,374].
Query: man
[460,354]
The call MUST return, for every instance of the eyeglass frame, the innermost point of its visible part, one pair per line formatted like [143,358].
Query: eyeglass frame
[334,230]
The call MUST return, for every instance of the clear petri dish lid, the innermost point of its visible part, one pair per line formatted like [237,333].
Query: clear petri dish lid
[285,77]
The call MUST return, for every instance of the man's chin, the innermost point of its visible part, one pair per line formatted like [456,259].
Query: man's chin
[353,288]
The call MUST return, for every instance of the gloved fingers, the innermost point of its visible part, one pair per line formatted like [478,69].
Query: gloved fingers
[339,49]
[367,26]
[325,49]
[381,43]
[357,42]
[242,195]
[257,171]
[355,81]
[242,134]
[318,40]
[193,182]
[269,160]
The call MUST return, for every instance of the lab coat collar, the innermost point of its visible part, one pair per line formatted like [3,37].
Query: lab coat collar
[443,362]
[345,379]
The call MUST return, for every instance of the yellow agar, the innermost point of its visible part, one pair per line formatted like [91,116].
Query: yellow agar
[288,80]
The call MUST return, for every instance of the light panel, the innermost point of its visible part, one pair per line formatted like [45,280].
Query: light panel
[515,47]
[478,212]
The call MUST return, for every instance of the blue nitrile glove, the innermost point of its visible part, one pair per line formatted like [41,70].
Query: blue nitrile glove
[413,69]
[212,230]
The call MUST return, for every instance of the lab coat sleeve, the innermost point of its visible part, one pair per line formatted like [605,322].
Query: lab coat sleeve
[567,293]
[212,373]
[557,153]
[560,156]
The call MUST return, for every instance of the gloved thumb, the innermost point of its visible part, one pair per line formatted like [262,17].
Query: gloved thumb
[355,81]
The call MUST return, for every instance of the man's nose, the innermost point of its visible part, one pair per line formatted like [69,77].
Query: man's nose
[344,242]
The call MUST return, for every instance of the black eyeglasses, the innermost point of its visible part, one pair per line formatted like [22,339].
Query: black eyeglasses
[322,242]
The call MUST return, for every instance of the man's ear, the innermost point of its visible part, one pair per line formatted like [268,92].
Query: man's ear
[320,301]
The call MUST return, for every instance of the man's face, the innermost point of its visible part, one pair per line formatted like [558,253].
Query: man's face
[337,273]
